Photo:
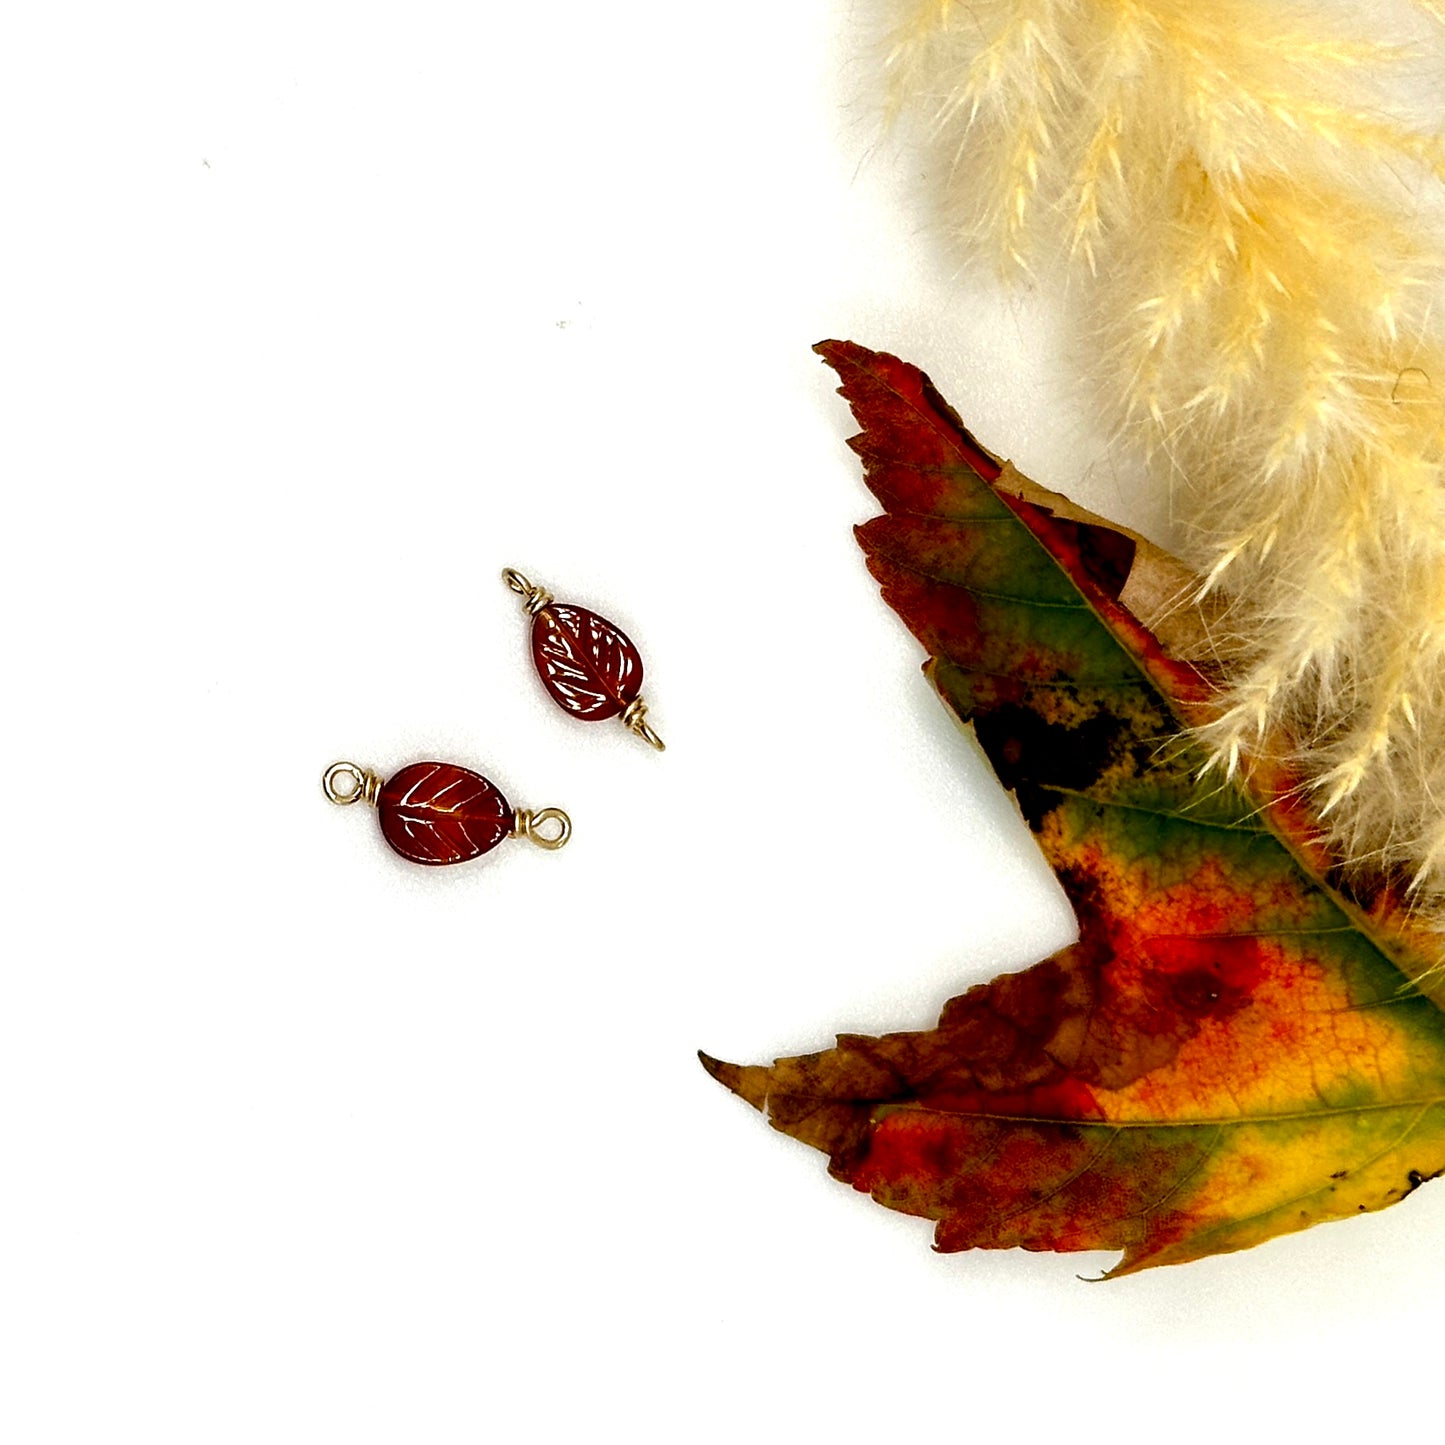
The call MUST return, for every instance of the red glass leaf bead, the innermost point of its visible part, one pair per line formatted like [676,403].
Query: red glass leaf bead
[440,813]
[588,665]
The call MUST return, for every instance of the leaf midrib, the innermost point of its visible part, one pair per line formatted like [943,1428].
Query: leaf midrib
[1341,1111]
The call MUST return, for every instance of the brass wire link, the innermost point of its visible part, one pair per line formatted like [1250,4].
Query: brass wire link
[534,598]
[529,825]
[634,716]
[365,787]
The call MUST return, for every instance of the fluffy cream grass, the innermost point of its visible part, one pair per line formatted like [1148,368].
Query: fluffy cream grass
[1251,214]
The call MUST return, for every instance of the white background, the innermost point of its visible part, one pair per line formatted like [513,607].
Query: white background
[314,318]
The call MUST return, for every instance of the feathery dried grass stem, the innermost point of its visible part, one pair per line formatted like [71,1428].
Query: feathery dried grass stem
[1255,217]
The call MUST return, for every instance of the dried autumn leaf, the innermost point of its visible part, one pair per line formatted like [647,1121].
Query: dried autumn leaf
[1233,1049]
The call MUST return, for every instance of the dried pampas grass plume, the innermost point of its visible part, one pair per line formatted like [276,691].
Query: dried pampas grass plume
[1252,209]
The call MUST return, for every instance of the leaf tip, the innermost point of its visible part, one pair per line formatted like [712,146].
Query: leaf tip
[735,1077]
[839,354]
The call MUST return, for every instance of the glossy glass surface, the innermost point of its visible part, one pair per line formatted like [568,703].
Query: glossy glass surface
[590,666]
[438,813]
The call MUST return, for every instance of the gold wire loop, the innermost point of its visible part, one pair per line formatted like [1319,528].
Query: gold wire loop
[635,717]
[539,827]
[534,598]
[365,785]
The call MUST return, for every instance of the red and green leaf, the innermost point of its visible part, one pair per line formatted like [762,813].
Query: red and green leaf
[1233,1049]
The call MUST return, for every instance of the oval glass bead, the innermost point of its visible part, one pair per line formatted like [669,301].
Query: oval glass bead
[439,813]
[588,664]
